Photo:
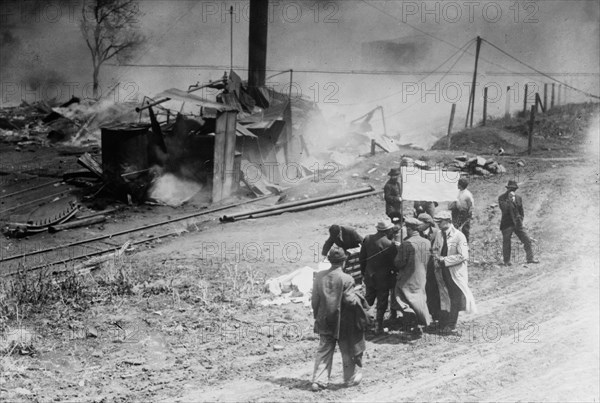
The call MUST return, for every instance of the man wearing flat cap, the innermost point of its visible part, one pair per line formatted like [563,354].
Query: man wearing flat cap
[393,195]
[377,267]
[427,229]
[411,263]
[451,254]
[340,318]
[342,236]
[511,206]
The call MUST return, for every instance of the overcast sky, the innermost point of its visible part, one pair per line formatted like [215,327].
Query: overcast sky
[327,44]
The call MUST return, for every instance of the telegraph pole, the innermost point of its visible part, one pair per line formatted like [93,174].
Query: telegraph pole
[472,96]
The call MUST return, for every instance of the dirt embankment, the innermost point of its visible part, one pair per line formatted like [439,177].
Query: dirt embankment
[554,133]
[184,321]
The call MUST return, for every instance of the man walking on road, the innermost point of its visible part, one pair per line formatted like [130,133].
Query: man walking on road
[451,253]
[340,318]
[462,208]
[511,206]
[377,267]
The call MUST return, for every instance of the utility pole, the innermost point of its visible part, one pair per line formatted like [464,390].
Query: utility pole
[449,135]
[525,100]
[507,107]
[472,97]
[485,91]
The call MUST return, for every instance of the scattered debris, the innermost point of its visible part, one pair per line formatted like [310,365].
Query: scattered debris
[476,166]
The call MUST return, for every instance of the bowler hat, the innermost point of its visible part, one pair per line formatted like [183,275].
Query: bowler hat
[336,255]
[443,215]
[394,172]
[384,225]
[512,185]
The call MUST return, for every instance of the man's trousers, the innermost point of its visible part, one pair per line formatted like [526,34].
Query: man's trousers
[324,359]
[506,241]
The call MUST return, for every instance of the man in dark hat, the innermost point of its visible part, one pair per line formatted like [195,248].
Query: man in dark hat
[462,208]
[411,263]
[377,267]
[393,195]
[340,318]
[344,237]
[511,206]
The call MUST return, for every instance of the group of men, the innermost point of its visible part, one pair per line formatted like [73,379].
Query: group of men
[424,269]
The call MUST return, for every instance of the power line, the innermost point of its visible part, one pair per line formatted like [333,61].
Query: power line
[439,81]
[345,71]
[539,72]
[462,48]
[435,37]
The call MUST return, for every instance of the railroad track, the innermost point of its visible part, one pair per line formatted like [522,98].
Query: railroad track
[53,257]
[57,258]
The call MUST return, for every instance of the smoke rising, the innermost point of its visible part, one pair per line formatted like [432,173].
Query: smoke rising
[347,56]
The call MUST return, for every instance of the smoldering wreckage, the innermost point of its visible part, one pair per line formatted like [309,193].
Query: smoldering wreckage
[250,143]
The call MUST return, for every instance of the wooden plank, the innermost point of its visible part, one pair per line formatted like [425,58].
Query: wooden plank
[219,152]
[88,162]
[231,175]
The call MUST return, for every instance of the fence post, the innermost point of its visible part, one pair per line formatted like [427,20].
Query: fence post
[449,136]
[485,89]
[372,147]
[525,100]
[552,97]
[507,108]
[546,96]
[531,121]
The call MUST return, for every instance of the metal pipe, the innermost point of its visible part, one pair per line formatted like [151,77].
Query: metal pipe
[81,242]
[312,205]
[160,101]
[292,204]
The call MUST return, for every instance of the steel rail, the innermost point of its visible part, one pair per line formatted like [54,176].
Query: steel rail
[157,224]
[91,254]
[31,188]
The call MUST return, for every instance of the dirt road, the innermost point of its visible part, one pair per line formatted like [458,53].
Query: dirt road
[185,333]
[535,336]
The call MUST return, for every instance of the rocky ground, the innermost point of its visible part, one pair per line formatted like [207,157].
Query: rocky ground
[183,321]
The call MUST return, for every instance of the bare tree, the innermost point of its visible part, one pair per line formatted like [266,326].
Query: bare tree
[110,29]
